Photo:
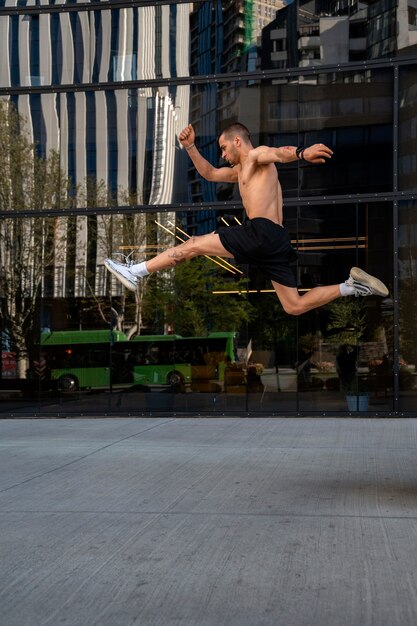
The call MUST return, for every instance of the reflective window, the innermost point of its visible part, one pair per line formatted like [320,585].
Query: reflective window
[107,43]
[343,344]
[103,92]
[207,336]
[128,138]
[352,114]
[407,269]
[98,46]
[407,134]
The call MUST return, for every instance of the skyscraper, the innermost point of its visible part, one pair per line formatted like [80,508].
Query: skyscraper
[125,139]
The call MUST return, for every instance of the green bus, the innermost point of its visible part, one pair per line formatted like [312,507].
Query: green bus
[175,360]
[80,359]
[100,358]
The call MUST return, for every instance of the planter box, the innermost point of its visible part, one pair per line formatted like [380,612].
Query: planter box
[357,403]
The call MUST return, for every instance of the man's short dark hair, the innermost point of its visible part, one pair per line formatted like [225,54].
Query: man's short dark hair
[236,129]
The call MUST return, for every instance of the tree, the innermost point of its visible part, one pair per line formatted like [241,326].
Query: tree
[408,318]
[27,244]
[184,299]
[347,322]
[124,234]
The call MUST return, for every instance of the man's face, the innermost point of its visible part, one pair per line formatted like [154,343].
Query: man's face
[229,150]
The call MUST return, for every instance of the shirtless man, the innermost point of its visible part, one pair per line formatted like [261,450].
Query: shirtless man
[262,240]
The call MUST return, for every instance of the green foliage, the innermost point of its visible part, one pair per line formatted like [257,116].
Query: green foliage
[408,319]
[27,244]
[348,319]
[184,298]
[271,326]
[27,180]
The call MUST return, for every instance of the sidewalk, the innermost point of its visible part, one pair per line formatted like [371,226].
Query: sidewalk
[208,522]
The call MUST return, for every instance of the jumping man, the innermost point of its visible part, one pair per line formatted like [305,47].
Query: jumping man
[262,240]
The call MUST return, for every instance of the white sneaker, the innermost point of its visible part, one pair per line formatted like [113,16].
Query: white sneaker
[366,285]
[122,273]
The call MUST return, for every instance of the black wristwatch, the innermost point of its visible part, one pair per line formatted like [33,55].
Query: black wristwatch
[299,152]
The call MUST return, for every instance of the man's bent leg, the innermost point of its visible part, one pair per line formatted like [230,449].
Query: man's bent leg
[294,304]
[359,283]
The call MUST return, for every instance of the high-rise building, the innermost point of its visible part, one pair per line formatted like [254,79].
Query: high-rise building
[311,32]
[126,140]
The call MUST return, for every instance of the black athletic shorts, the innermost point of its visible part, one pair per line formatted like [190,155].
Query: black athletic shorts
[264,244]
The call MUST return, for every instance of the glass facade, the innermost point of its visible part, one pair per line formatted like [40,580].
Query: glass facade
[93,96]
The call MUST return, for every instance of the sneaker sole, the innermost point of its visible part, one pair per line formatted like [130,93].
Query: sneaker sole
[120,277]
[377,286]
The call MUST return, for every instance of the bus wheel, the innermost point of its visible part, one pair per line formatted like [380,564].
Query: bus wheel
[175,379]
[68,383]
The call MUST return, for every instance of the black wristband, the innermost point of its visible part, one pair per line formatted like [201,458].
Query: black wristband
[299,152]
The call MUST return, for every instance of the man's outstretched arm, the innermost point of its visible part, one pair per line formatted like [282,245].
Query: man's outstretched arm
[317,153]
[203,167]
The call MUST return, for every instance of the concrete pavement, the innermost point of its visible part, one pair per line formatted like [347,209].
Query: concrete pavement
[211,522]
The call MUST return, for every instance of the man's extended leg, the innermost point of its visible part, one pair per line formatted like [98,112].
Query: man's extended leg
[359,283]
[195,246]
[129,273]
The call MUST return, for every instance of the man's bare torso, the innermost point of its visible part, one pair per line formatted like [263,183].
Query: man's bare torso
[261,191]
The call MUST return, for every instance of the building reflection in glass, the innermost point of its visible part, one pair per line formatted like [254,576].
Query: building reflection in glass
[109,89]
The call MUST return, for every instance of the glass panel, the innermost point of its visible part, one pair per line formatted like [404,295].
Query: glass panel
[127,139]
[343,347]
[51,281]
[213,337]
[75,340]
[110,44]
[407,276]
[407,134]
[352,114]
[116,147]
[349,112]
[271,375]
